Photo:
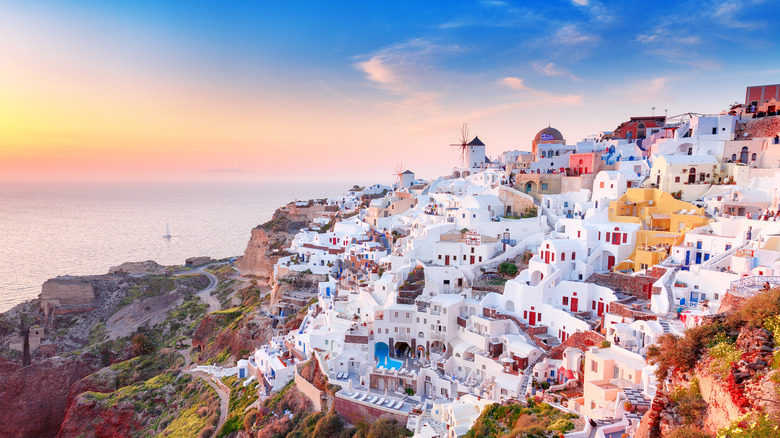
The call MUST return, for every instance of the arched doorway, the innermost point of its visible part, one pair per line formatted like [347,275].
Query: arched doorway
[692,175]
[743,156]
[510,305]
[401,349]
[536,277]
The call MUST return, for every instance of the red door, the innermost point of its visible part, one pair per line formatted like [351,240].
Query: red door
[532,321]
[616,238]
[446,260]
[601,309]
[610,262]
[574,302]
[547,256]
[472,260]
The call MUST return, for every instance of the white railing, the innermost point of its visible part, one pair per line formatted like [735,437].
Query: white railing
[748,286]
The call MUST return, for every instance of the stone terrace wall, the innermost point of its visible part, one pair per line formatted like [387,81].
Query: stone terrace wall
[627,312]
[309,390]
[581,340]
[354,411]
[636,285]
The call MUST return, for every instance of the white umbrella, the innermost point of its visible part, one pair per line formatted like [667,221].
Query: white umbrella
[349,385]
[385,391]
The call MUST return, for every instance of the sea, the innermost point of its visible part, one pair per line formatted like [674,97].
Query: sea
[53,229]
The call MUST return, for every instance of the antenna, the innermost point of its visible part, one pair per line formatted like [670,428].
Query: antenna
[464,141]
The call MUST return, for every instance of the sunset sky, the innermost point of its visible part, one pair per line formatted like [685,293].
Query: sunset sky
[316,90]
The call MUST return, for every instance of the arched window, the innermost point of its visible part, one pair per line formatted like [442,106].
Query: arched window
[573,255]
[733,157]
[563,256]
[753,157]
[421,335]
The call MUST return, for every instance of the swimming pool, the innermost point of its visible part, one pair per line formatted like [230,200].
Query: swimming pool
[383,360]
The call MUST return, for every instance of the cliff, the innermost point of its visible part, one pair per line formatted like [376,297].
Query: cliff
[267,241]
[34,398]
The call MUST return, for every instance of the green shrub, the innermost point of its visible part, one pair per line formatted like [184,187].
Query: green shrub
[507,268]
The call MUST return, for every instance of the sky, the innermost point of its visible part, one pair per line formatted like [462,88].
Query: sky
[313,90]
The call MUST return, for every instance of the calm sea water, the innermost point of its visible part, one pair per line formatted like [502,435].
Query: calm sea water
[48,230]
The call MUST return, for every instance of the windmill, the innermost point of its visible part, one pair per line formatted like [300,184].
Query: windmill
[464,143]
[399,171]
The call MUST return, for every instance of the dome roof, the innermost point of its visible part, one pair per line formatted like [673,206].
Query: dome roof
[548,134]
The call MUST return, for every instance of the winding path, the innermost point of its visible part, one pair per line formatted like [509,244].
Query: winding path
[214,305]
[224,397]
[205,294]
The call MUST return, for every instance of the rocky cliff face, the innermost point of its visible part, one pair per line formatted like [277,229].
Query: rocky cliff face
[34,398]
[267,242]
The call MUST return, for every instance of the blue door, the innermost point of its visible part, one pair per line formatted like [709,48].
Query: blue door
[698,258]
[687,258]
[694,297]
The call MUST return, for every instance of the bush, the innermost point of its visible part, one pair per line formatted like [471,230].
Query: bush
[507,268]
[690,403]
[250,418]
[688,432]
[723,354]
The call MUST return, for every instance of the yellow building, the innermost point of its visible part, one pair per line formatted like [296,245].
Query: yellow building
[664,222]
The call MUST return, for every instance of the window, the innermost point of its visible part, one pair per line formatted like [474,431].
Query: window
[418,320]
[601,185]
[544,186]
[578,234]
[616,373]
[565,301]
[563,257]
[753,157]
[594,366]
[439,256]
[573,256]
[676,179]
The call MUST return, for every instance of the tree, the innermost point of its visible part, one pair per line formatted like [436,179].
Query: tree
[141,344]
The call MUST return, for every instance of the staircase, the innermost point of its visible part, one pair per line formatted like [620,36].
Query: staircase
[664,324]
[668,284]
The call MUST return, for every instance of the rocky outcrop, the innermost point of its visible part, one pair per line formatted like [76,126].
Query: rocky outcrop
[149,267]
[86,418]
[267,242]
[34,398]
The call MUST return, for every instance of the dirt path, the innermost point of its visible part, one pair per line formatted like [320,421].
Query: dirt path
[205,294]
[224,398]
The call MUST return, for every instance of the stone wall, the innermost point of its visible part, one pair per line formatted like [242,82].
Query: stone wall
[309,390]
[731,302]
[627,312]
[66,291]
[580,340]
[354,411]
[635,285]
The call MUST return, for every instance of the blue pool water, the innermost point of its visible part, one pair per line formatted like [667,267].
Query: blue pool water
[380,351]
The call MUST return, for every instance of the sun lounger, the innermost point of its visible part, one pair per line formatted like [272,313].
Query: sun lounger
[380,401]
[355,395]
[399,405]
[372,399]
[365,396]
[390,402]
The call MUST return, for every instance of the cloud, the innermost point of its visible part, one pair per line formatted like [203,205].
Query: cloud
[513,83]
[550,69]
[727,13]
[653,90]
[580,2]
[570,35]
[537,95]
[664,35]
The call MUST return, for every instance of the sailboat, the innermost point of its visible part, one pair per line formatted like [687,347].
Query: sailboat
[167,231]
